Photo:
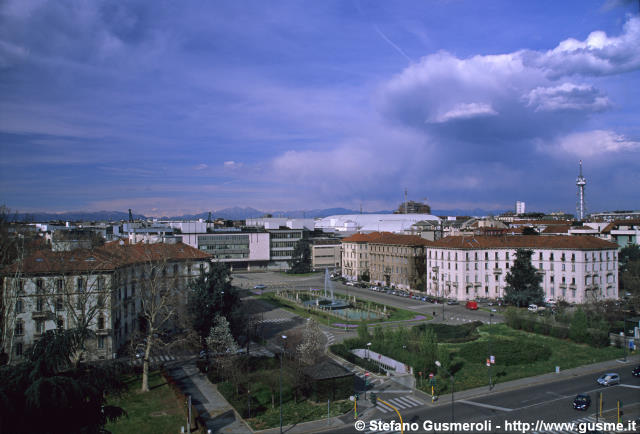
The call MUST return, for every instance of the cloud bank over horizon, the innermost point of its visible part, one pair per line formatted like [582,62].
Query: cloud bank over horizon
[183,108]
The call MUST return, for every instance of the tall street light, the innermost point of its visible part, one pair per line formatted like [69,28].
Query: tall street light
[489,360]
[284,343]
[439,365]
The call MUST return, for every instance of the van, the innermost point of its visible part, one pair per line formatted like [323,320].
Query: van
[472,305]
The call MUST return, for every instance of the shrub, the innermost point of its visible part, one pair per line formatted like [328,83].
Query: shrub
[559,332]
[541,328]
[598,338]
[507,351]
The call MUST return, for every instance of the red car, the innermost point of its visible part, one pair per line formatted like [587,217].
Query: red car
[472,305]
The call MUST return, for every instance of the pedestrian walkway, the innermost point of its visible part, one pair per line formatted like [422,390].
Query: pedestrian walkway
[401,403]
[216,413]
[275,320]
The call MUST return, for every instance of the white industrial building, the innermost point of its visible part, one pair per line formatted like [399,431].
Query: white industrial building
[363,223]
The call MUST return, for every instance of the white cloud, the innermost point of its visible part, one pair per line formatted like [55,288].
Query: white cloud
[232,165]
[201,166]
[466,111]
[597,55]
[597,143]
[567,96]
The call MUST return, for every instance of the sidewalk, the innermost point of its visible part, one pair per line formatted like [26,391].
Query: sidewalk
[217,413]
[596,368]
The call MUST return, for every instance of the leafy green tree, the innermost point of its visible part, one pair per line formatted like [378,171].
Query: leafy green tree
[301,258]
[578,326]
[365,277]
[523,282]
[211,294]
[49,393]
[363,332]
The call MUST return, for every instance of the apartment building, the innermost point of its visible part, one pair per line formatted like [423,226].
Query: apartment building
[99,288]
[355,255]
[398,261]
[574,269]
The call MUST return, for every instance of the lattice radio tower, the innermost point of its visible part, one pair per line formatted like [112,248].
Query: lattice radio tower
[580,205]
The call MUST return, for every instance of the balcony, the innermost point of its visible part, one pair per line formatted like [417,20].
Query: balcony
[497,271]
[563,286]
[43,314]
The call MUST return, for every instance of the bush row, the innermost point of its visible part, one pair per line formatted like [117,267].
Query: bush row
[591,336]
[342,351]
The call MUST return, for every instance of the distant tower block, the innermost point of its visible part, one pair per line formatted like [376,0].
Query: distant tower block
[520,209]
[581,208]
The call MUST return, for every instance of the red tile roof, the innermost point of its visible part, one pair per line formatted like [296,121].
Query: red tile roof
[105,258]
[524,241]
[556,229]
[387,238]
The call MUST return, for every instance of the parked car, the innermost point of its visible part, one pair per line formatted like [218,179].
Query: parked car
[608,379]
[472,305]
[533,308]
[260,286]
[636,372]
[452,302]
[582,402]
[350,283]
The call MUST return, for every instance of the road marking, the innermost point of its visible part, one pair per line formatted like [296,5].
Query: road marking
[411,399]
[629,385]
[398,404]
[493,407]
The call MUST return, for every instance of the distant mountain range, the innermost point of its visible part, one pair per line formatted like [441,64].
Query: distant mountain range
[235,213]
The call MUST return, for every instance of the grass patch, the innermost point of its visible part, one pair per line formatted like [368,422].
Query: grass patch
[156,411]
[304,411]
[519,354]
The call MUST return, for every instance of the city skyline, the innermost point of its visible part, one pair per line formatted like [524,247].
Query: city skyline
[174,109]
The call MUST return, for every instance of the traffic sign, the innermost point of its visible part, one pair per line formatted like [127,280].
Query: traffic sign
[430,374]
[493,359]
[366,374]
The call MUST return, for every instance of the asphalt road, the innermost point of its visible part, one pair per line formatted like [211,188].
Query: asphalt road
[547,403]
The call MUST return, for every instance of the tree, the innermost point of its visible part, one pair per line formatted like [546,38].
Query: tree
[48,392]
[578,327]
[310,349]
[365,276]
[211,294]
[523,282]
[301,258]
[159,301]
[225,349]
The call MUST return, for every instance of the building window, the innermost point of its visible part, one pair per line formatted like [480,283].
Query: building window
[60,323]
[19,349]
[39,285]
[100,301]
[58,286]
[100,342]
[80,284]
[551,256]
[39,326]
[100,322]
[20,286]
[562,267]
[19,306]
[39,304]
[19,329]
[59,304]
[100,283]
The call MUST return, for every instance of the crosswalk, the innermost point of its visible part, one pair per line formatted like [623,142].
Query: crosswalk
[161,358]
[575,429]
[401,403]
[274,320]
[331,338]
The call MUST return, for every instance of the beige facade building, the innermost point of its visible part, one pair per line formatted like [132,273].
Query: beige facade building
[355,255]
[98,288]
[398,261]
[326,253]
[574,269]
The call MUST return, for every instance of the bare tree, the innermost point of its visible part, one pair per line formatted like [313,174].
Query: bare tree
[158,300]
[311,348]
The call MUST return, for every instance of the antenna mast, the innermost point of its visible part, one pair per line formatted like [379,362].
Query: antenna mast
[580,206]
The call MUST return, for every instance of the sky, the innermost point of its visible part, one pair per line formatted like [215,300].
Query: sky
[182,107]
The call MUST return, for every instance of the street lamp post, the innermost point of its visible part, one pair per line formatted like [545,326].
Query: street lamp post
[439,365]
[489,351]
[368,358]
[284,343]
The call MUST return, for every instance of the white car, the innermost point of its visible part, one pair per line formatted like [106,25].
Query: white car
[260,286]
[533,308]
[608,379]
[350,283]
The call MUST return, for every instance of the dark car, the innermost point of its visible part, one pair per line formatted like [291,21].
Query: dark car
[582,402]
[636,372]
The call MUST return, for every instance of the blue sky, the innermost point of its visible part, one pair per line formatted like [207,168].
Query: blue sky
[181,107]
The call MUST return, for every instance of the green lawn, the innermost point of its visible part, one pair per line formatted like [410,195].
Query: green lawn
[519,354]
[156,411]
